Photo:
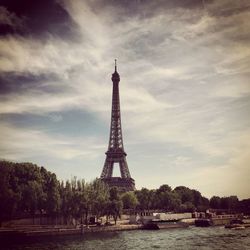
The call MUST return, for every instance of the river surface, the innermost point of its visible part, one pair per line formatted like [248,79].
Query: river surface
[190,238]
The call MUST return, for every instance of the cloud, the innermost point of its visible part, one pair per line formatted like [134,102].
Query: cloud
[226,7]
[27,55]
[184,87]
[10,19]
[22,144]
[56,117]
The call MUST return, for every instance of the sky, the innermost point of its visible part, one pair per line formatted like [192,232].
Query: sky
[184,89]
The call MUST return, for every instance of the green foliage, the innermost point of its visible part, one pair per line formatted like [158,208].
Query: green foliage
[80,199]
[114,193]
[99,197]
[166,199]
[244,206]
[115,205]
[26,189]
[215,202]
[229,203]
[187,207]
[145,198]
[51,199]
[8,197]
[185,194]
[21,188]
[181,199]
[129,200]
[164,188]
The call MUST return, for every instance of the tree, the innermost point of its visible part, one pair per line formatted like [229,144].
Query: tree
[114,206]
[26,189]
[175,201]
[8,198]
[167,199]
[244,206]
[67,202]
[164,188]
[81,199]
[204,205]
[215,202]
[185,194]
[146,198]
[129,200]
[187,207]
[114,209]
[32,197]
[53,201]
[197,198]
[163,199]
[100,197]
[229,203]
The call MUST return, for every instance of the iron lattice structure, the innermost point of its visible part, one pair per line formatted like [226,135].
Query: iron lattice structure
[116,153]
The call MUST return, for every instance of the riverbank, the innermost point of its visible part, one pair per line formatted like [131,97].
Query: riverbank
[48,230]
[30,231]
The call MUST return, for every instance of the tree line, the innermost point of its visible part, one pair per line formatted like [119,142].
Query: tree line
[28,190]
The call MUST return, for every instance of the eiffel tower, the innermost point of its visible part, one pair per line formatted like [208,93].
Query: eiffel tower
[116,153]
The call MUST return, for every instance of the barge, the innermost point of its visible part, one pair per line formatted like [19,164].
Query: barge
[164,224]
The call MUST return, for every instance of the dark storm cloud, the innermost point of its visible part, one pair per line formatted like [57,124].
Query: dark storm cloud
[12,82]
[10,22]
[144,9]
[37,18]
[137,5]
[240,7]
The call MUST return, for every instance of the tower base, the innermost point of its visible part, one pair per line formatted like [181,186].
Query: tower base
[123,184]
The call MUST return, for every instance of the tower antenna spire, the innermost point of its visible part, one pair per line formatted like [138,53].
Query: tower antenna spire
[115,66]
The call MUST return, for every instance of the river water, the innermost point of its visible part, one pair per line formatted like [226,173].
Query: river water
[190,238]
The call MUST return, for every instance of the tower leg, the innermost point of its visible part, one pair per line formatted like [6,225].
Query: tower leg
[124,169]
[108,168]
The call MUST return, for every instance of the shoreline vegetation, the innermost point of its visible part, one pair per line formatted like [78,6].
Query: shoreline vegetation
[55,207]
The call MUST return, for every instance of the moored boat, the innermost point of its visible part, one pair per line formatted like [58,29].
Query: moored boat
[238,228]
[164,224]
[203,222]
[237,224]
